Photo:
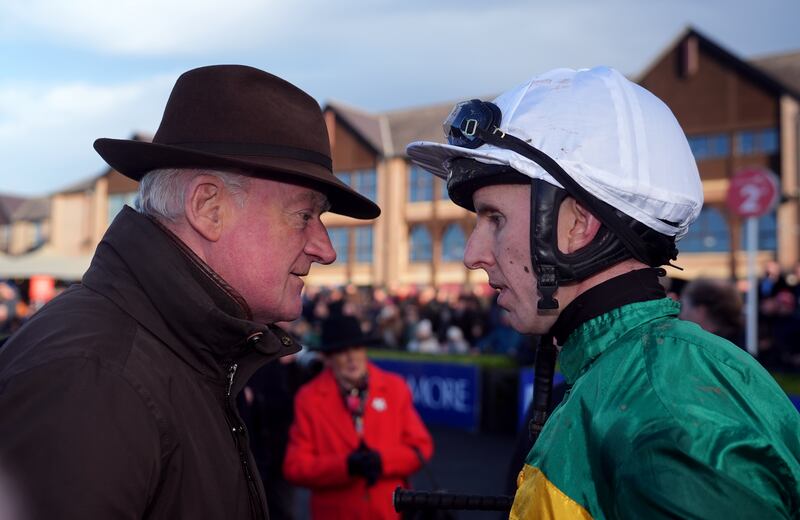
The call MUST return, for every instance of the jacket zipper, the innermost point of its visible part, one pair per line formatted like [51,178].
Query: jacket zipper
[238,431]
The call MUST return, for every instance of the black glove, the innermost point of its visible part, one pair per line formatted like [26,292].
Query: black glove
[364,462]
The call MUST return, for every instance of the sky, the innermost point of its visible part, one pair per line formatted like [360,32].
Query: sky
[75,70]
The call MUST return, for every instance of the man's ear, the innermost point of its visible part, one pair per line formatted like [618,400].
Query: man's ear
[576,226]
[204,206]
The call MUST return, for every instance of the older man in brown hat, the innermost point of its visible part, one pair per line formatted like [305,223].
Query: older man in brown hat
[117,398]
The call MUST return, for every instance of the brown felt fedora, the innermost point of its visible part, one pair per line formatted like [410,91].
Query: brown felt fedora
[232,116]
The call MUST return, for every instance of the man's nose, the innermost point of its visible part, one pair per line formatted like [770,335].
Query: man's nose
[319,246]
[477,253]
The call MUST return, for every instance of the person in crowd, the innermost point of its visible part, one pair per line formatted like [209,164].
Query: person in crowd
[471,317]
[674,286]
[425,341]
[9,299]
[117,398]
[356,435]
[772,280]
[389,325]
[716,306]
[502,338]
[455,343]
[582,183]
[774,312]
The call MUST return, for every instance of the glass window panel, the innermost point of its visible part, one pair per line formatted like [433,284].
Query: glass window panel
[745,143]
[768,141]
[368,184]
[709,146]
[453,242]
[344,177]
[338,237]
[421,244]
[364,244]
[709,233]
[420,186]
[699,146]
[116,202]
[364,182]
[443,188]
[719,145]
[38,236]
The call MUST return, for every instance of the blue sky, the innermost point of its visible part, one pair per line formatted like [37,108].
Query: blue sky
[75,70]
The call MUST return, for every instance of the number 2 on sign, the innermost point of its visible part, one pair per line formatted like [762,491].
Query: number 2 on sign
[750,195]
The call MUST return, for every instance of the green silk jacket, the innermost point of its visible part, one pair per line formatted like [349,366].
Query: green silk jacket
[662,420]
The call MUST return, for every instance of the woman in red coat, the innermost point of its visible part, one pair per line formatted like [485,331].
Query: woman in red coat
[356,435]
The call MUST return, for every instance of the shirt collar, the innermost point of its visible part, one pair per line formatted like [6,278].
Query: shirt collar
[594,320]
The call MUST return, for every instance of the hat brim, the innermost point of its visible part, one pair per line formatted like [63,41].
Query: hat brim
[434,156]
[341,346]
[135,158]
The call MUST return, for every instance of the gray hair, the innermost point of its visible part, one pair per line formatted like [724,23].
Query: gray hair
[162,191]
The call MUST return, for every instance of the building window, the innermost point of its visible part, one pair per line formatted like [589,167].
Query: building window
[453,242]
[709,233]
[767,233]
[712,146]
[443,189]
[38,235]
[338,237]
[420,185]
[363,181]
[5,233]
[751,142]
[421,244]
[117,201]
[364,244]
[344,177]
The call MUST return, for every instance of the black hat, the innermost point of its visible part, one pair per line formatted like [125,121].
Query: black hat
[238,117]
[341,332]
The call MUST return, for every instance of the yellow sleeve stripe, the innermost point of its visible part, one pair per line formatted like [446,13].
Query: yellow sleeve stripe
[538,498]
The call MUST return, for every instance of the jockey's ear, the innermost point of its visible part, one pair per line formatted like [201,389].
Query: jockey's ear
[577,227]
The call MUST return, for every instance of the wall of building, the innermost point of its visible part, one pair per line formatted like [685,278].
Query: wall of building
[25,235]
[712,93]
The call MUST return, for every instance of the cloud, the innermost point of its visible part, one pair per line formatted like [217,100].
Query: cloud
[377,55]
[145,27]
[46,133]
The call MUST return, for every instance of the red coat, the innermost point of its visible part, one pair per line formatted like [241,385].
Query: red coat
[323,435]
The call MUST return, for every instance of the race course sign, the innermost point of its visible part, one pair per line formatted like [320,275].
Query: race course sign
[445,394]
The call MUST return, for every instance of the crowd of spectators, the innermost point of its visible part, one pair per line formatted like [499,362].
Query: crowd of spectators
[452,321]
[427,321]
[779,317]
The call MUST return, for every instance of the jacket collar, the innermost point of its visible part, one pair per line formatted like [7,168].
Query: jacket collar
[152,276]
[635,286]
[595,336]
[376,380]
[337,415]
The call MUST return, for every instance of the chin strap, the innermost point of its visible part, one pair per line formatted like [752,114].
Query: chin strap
[547,284]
